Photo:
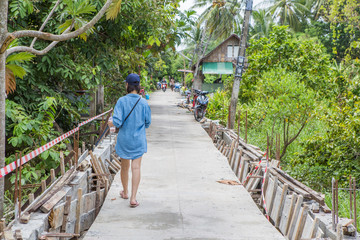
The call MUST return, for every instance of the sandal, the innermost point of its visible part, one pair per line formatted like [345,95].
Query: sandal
[122,195]
[134,205]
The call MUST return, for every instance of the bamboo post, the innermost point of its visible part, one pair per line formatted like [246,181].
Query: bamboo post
[106,187]
[43,186]
[350,195]
[78,211]
[238,130]
[62,163]
[333,203]
[246,126]
[83,147]
[277,147]
[20,193]
[66,213]
[16,187]
[97,201]
[52,175]
[354,195]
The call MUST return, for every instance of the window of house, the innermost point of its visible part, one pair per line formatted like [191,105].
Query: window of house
[236,51]
[230,51]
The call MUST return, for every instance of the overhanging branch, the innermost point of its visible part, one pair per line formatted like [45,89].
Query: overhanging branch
[63,37]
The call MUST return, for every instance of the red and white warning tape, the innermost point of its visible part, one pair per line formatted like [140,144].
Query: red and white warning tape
[12,166]
[262,188]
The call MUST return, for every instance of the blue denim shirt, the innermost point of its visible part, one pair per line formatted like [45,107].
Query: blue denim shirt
[131,139]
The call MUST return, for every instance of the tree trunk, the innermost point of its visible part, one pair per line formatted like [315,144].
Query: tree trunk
[3,32]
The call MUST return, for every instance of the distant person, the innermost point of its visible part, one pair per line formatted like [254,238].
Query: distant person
[172,84]
[132,115]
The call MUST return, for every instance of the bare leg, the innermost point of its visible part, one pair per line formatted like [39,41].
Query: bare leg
[124,175]
[135,169]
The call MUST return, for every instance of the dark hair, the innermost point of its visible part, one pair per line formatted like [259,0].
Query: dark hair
[131,88]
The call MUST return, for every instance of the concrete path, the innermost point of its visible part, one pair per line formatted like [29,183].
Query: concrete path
[179,196]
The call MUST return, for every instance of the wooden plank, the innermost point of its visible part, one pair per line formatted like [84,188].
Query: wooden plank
[301,224]
[233,156]
[314,228]
[97,201]
[48,205]
[273,194]
[315,195]
[96,167]
[295,217]
[231,151]
[282,203]
[295,188]
[66,213]
[112,166]
[239,164]
[118,162]
[290,213]
[266,182]
[102,165]
[63,180]
[78,211]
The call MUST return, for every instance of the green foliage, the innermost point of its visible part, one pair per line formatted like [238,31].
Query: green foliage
[305,57]
[218,107]
[189,79]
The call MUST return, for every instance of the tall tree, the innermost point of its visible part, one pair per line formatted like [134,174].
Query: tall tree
[6,38]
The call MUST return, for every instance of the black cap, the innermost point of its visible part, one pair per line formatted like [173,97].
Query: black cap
[133,79]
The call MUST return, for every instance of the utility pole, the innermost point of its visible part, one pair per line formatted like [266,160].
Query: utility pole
[240,63]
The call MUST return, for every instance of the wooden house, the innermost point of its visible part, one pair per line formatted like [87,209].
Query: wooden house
[221,59]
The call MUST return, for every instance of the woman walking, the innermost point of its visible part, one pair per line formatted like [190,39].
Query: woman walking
[132,115]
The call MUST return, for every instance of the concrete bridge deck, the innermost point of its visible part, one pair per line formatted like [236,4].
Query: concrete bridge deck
[178,194]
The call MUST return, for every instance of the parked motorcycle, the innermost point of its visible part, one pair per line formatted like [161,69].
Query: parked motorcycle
[177,87]
[200,105]
[163,86]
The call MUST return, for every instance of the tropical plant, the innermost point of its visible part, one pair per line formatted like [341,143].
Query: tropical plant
[290,12]
[262,24]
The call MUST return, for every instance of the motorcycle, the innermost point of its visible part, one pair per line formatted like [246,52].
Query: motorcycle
[177,87]
[200,104]
[158,85]
[163,86]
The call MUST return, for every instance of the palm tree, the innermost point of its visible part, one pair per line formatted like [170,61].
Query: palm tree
[221,18]
[290,12]
[262,24]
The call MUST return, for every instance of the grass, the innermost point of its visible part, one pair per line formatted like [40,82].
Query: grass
[344,205]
